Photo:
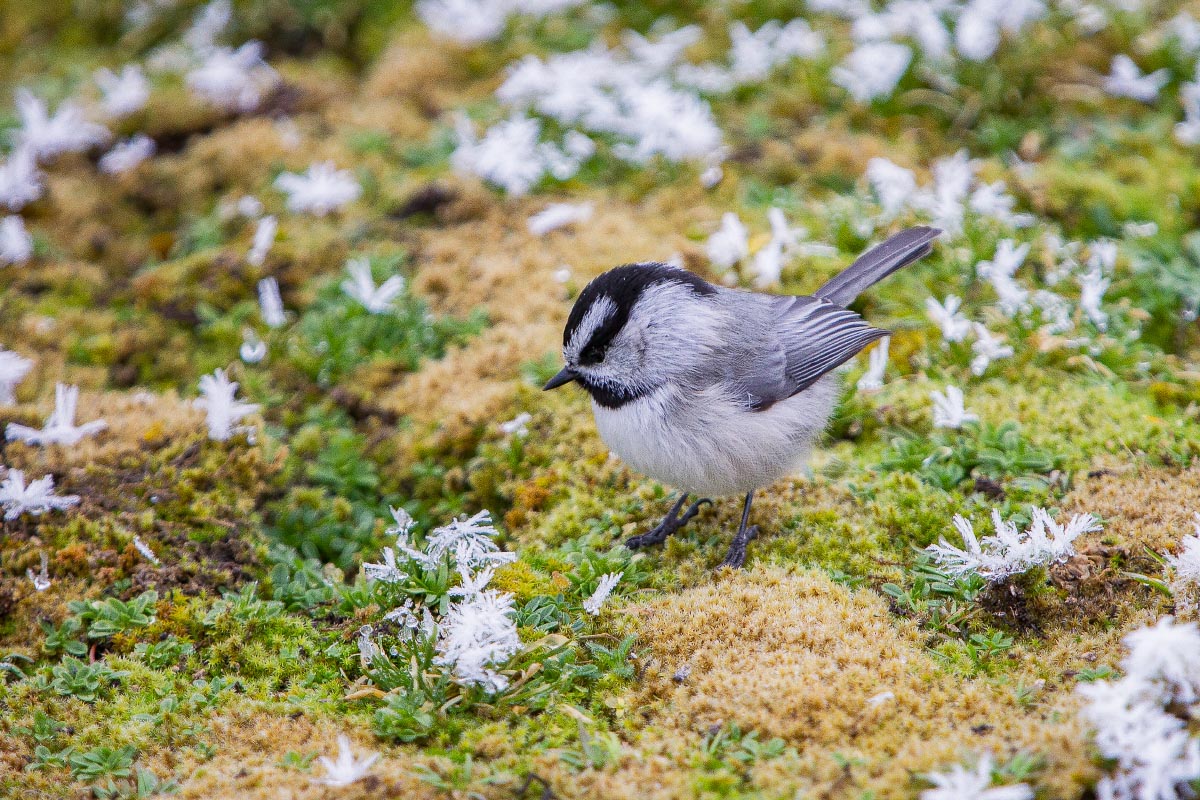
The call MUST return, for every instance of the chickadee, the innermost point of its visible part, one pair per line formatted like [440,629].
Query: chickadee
[717,391]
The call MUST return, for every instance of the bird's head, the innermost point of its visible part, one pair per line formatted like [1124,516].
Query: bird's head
[634,328]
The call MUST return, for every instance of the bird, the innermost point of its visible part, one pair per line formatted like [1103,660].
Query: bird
[713,390]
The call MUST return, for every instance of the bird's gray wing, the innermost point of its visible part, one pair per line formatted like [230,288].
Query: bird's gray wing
[807,338]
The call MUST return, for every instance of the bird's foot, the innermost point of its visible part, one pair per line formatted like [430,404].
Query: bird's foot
[670,525]
[736,556]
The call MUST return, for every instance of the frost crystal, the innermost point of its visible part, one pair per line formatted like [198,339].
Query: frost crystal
[961,783]
[145,550]
[517,426]
[1185,584]
[60,428]
[1141,719]
[16,245]
[20,182]
[469,541]
[558,215]
[476,634]
[607,583]
[511,156]
[987,348]
[729,244]
[894,186]
[324,188]
[13,369]
[264,237]
[361,286]
[234,80]
[48,136]
[1126,80]
[40,580]
[125,93]
[999,272]
[347,769]
[954,325]
[270,304]
[127,154]
[1010,552]
[37,498]
[877,360]
[872,70]
[1092,286]
[474,21]
[948,409]
[223,411]
[253,349]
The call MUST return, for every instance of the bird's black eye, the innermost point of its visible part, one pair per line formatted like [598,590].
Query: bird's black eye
[592,354]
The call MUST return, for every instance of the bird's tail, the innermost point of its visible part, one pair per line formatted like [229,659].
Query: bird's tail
[877,263]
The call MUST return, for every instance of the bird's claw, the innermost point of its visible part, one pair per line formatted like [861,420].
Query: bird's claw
[668,527]
[736,556]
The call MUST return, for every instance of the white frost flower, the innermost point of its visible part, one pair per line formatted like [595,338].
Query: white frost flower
[361,286]
[1185,566]
[476,634]
[607,583]
[475,21]
[1138,720]
[253,349]
[126,155]
[322,189]
[264,237]
[999,272]
[893,185]
[1010,552]
[13,369]
[145,550]
[40,580]
[729,244]
[20,181]
[48,136]
[270,304]
[16,245]
[209,23]
[234,80]
[469,541]
[60,428]
[949,410]
[960,783]
[987,348]
[347,769]
[219,403]
[509,155]
[37,498]
[872,70]
[518,426]
[1126,80]
[877,359]
[125,92]
[558,215]
[1092,286]
[946,314]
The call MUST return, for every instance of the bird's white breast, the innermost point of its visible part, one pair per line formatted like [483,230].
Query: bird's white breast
[706,443]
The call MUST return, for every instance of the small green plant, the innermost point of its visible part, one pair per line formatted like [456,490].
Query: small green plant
[946,458]
[162,654]
[595,751]
[984,649]
[1101,673]
[405,717]
[106,618]
[81,680]
[102,762]
[616,660]
[142,784]
[64,638]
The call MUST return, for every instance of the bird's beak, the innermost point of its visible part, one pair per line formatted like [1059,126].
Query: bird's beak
[564,376]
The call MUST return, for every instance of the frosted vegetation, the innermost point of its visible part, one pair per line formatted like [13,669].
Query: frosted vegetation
[286,515]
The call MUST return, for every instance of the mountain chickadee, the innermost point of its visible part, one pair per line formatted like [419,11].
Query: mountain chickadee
[717,391]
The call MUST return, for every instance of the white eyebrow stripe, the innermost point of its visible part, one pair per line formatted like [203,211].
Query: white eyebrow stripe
[599,312]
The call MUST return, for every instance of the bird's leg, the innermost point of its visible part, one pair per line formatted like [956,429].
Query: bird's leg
[737,551]
[671,523]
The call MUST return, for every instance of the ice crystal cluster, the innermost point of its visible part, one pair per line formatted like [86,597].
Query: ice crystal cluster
[36,498]
[60,428]
[321,190]
[1185,572]
[477,632]
[223,411]
[964,783]
[1141,720]
[347,769]
[1010,551]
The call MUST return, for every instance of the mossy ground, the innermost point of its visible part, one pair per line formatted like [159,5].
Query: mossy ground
[139,286]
